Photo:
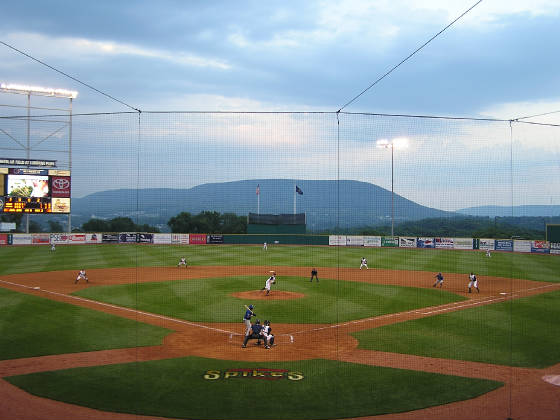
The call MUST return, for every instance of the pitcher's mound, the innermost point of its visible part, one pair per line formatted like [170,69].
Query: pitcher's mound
[261,294]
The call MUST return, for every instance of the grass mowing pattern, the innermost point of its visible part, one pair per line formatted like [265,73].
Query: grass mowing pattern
[523,332]
[34,326]
[210,300]
[23,259]
[176,388]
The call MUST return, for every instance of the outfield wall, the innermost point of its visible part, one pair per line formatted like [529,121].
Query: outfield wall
[484,244]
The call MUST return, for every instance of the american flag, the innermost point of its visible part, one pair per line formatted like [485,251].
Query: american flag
[258,189]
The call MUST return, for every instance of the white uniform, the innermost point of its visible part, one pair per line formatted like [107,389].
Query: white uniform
[53,247]
[264,246]
[364,264]
[269,282]
[183,261]
[82,275]
[473,281]
[267,335]
[488,253]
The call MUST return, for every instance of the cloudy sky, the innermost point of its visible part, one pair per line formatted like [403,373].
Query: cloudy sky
[498,61]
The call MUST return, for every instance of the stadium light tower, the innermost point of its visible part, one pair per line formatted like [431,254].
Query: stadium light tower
[396,143]
[43,91]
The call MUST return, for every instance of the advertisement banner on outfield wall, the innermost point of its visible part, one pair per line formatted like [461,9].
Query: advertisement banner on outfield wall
[337,240]
[110,238]
[77,238]
[521,245]
[59,238]
[214,239]
[197,238]
[180,238]
[93,238]
[145,238]
[486,244]
[22,239]
[372,241]
[425,243]
[540,247]
[127,238]
[462,243]
[162,238]
[41,238]
[352,240]
[444,243]
[407,242]
[4,239]
[390,241]
[503,245]
[555,248]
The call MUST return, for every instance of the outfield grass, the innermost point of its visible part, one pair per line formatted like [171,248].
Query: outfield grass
[523,332]
[21,259]
[176,388]
[34,326]
[210,300]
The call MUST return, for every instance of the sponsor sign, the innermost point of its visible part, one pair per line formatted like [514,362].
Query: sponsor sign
[127,238]
[77,238]
[555,248]
[6,226]
[337,240]
[443,243]
[405,242]
[197,238]
[93,238]
[4,239]
[354,241]
[540,247]
[108,238]
[162,238]
[462,243]
[372,241]
[390,241]
[486,244]
[60,205]
[215,239]
[253,373]
[180,238]
[60,186]
[41,238]
[425,243]
[145,238]
[59,238]
[28,162]
[503,245]
[521,246]
[22,239]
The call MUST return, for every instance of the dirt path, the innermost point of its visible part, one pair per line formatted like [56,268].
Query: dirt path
[525,396]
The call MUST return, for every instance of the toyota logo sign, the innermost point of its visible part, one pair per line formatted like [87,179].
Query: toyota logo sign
[61,184]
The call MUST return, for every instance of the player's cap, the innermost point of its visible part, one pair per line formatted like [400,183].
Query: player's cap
[251,306]
[266,322]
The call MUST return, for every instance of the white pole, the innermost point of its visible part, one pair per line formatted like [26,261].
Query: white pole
[295,194]
[259,203]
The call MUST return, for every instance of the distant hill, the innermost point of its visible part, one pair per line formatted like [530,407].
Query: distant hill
[327,203]
[515,211]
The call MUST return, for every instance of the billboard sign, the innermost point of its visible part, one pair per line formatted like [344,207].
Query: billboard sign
[444,243]
[390,241]
[372,241]
[540,247]
[503,245]
[425,243]
[405,242]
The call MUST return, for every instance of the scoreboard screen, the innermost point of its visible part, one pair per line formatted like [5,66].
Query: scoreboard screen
[25,190]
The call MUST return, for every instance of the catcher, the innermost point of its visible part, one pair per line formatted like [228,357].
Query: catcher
[269,282]
[266,332]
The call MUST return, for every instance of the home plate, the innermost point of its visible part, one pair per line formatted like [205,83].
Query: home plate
[552,379]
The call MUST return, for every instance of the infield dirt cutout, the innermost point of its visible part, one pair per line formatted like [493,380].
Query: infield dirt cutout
[525,394]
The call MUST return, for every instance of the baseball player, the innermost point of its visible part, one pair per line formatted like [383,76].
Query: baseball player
[247,318]
[265,247]
[439,280]
[269,282]
[364,264]
[254,333]
[314,274]
[473,281]
[488,254]
[266,332]
[82,275]
[53,247]
[182,261]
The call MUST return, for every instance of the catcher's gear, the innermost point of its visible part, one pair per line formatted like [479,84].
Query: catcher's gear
[258,321]
[266,322]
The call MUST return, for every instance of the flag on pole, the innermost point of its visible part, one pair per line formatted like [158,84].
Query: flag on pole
[298,190]
[258,189]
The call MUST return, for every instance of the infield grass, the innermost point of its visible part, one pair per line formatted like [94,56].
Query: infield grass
[22,259]
[521,332]
[176,388]
[210,300]
[34,326]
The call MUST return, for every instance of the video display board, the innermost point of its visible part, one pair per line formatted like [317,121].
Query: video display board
[25,190]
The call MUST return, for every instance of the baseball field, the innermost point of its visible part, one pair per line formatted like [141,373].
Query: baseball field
[145,338]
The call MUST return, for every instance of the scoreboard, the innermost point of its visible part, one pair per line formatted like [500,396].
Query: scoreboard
[24,190]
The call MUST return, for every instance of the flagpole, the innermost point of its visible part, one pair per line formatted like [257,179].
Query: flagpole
[258,204]
[295,194]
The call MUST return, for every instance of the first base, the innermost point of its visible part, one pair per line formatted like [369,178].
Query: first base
[36,288]
[503,293]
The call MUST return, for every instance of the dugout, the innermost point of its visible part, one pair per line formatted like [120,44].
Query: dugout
[276,223]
